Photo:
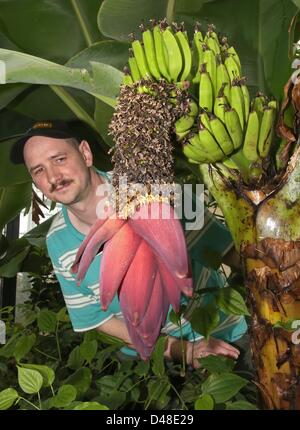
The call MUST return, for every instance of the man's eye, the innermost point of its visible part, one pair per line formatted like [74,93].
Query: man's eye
[37,172]
[60,159]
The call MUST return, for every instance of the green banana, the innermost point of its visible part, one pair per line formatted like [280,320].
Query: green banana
[211,65]
[202,153]
[221,135]
[266,132]
[204,119]
[196,78]
[183,134]
[193,108]
[251,137]
[190,160]
[212,33]
[231,51]
[246,95]
[272,104]
[184,123]
[207,145]
[197,30]
[206,91]
[197,43]
[235,56]
[243,164]
[174,60]
[186,54]
[233,126]
[258,104]
[150,53]
[135,73]
[231,66]
[219,108]
[220,103]
[159,52]
[223,78]
[212,44]
[192,154]
[141,60]
[237,100]
[127,79]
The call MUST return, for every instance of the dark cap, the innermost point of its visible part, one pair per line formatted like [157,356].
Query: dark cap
[55,129]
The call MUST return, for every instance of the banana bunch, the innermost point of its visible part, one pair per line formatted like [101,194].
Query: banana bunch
[232,129]
[259,130]
[163,53]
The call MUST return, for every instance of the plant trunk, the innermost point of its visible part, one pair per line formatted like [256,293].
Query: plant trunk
[265,225]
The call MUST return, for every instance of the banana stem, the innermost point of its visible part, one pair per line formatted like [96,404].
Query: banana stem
[242,163]
[82,23]
[170,11]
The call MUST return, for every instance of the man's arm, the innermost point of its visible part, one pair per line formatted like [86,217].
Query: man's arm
[173,351]
[117,328]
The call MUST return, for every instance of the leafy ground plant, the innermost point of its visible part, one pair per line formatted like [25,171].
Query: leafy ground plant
[45,365]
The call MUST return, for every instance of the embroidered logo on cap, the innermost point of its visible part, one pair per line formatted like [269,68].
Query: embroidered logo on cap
[42,125]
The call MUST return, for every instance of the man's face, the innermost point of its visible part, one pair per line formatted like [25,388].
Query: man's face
[59,168]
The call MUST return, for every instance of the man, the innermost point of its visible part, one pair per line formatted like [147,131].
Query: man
[61,167]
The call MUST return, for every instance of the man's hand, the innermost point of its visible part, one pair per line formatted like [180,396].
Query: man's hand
[203,348]
[199,349]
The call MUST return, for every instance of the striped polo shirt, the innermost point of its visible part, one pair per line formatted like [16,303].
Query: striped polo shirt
[83,301]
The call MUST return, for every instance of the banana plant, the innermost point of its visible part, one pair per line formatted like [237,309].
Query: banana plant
[234,154]
[253,180]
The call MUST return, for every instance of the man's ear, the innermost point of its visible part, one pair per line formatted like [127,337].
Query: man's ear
[86,153]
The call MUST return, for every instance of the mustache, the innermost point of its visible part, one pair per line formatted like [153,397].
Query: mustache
[62,183]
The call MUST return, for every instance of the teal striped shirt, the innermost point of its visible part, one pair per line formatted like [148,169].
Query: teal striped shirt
[83,302]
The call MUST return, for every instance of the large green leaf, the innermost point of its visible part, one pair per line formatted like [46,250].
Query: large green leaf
[47,373]
[107,51]
[241,405]
[110,394]
[24,345]
[55,29]
[9,92]
[205,319]
[14,265]
[12,200]
[30,380]
[8,398]
[11,174]
[65,395]
[118,18]
[204,403]
[231,302]
[20,67]
[217,364]
[52,107]
[81,380]
[47,320]
[224,386]
[90,406]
